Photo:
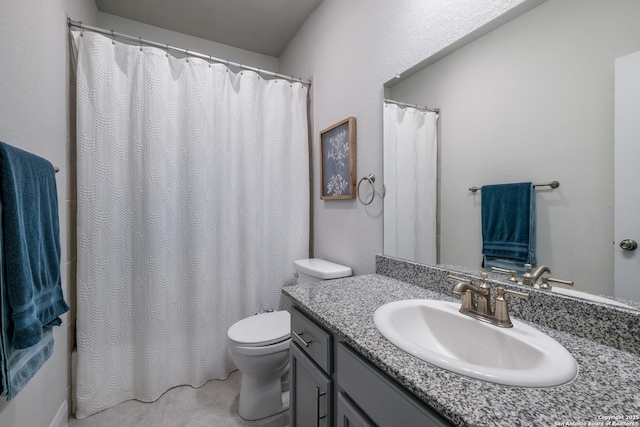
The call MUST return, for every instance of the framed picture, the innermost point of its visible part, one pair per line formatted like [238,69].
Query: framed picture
[338,161]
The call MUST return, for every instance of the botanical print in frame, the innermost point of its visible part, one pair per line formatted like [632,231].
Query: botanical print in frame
[338,161]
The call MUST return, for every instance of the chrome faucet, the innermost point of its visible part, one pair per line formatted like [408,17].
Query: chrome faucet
[480,308]
[530,278]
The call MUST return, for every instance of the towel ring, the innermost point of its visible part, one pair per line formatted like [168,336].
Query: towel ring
[371,178]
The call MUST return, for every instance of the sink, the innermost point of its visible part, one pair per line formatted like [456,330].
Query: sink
[436,332]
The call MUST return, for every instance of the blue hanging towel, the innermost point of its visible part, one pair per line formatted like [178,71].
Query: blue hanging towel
[30,285]
[509,225]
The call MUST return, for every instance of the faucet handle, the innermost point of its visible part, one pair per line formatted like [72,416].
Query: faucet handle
[483,279]
[502,307]
[545,282]
[513,275]
[525,296]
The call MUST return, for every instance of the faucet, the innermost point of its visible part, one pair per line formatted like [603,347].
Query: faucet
[530,278]
[480,308]
[481,303]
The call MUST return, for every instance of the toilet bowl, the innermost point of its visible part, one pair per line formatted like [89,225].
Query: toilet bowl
[259,347]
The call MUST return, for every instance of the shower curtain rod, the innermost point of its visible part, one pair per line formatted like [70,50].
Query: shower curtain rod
[405,104]
[166,47]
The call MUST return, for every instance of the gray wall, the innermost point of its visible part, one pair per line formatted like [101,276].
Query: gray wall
[35,115]
[533,101]
[351,49]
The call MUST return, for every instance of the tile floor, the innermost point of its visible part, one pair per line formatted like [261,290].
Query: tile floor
[213,405]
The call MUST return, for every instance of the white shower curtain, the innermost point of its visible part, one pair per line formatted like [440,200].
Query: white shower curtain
[193,203]
[410,179]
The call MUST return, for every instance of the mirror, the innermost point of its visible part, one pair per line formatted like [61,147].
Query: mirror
[533,101]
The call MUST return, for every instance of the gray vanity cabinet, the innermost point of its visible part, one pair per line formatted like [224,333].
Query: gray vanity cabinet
[383,401]
[311,391]
[328,374]
[311,385]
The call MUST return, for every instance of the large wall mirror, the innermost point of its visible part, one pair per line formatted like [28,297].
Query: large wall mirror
[532,100]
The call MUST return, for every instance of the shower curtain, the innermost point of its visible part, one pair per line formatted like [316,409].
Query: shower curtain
[193,203]
[410,179]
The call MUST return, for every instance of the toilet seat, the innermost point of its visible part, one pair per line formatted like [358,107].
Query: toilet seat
[261,330]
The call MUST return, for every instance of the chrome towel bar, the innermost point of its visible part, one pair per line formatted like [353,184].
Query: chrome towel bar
[552,184]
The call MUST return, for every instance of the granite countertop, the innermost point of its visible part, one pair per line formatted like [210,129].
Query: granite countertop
[607,387]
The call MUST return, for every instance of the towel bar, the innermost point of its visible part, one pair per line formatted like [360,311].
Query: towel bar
[552,184]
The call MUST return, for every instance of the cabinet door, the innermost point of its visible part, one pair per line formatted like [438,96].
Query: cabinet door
[349,415]
[311,391]
[379,397]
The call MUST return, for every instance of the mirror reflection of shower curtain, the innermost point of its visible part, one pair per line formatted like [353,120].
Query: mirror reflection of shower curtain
[193,204]
[410,179]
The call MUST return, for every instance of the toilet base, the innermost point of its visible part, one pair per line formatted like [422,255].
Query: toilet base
[259,401]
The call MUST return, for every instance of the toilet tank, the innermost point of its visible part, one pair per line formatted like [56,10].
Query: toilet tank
[315,269]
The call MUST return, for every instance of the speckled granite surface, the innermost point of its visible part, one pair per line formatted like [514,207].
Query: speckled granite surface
[608,383]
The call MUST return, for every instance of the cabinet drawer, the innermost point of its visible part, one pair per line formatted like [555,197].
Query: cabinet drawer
[381,399]
[312,338]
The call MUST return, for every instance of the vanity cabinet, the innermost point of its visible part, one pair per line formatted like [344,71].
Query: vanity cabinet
[311,391]
[311,366]
[383,401]
[327,374]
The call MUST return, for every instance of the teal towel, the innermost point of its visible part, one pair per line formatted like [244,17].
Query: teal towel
[31,245]
[30,288]
[508,224]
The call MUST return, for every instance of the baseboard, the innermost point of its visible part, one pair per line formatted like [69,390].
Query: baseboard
[61,418]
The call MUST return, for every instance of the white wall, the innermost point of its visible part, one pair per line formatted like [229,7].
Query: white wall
[183,41]
[351,48]
[533,101]
[35,83]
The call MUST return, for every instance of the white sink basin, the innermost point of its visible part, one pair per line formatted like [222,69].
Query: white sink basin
[436,332]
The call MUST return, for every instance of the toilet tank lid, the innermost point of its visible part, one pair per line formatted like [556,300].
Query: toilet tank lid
[321,268]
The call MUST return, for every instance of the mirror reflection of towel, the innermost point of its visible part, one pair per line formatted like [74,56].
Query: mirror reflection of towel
[508,225]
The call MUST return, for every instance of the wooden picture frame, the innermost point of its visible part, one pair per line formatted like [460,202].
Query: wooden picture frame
[338,161]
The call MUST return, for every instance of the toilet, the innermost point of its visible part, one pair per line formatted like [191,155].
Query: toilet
[259,347]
